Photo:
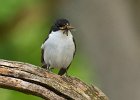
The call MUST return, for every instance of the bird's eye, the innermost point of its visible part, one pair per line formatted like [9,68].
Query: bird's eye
[61,25]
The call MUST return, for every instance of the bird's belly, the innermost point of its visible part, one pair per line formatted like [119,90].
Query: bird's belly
[59,54]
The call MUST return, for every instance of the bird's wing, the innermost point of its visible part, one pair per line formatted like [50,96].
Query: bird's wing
[42,54]
[42,47]
[75,47]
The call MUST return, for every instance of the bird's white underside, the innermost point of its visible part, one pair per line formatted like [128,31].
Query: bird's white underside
[58,49]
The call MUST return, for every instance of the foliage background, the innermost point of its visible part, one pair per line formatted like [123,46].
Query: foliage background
[107,37]
[24,24]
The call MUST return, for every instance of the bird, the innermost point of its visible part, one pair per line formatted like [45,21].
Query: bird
[59,47]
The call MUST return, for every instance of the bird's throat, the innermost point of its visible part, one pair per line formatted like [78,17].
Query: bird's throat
[65,32]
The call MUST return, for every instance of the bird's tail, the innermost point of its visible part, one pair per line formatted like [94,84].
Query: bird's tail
[62,71]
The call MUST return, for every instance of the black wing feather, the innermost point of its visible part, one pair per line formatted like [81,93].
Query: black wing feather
[42,56]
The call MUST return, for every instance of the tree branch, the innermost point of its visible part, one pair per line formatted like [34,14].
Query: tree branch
[34,80]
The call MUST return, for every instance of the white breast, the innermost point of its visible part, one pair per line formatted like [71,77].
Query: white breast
[59,49]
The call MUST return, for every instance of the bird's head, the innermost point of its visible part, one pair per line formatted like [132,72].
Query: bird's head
[64,25]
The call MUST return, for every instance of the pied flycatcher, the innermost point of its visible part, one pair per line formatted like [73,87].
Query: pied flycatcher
[59,47]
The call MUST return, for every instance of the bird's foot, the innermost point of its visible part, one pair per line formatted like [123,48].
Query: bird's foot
[66,74]
[47,67]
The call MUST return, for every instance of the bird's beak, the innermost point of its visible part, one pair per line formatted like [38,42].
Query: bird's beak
[69,27]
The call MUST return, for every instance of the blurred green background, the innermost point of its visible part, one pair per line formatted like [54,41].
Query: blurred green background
[107,36]
[24,24]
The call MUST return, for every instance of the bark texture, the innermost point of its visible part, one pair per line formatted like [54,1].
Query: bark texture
[34,80]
